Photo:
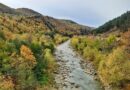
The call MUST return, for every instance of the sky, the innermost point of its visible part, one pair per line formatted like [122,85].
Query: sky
[87,12]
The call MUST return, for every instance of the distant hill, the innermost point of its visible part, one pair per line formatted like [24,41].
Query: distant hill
[27,12]
[121,23]
[83,29]
[64,27]
[6,9]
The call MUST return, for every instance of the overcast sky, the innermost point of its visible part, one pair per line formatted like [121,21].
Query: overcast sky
[87,12]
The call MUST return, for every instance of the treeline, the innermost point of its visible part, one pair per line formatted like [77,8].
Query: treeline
[110,56]
[121,23]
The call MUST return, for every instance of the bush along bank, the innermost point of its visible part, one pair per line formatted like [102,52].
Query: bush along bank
[110,56]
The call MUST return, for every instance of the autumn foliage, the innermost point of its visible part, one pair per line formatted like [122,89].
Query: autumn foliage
[110,56]
[6,83]
[27,54]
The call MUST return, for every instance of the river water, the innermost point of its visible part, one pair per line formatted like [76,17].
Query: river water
[70,75]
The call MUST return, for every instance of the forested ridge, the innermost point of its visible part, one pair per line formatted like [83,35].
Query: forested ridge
[121,23]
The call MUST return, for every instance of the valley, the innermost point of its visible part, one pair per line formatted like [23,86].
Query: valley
[39,52]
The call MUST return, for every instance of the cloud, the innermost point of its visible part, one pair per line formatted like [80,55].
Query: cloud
[89,12]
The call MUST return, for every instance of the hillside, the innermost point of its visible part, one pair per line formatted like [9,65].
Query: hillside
[121,23]
[63,27]
[6,9]
[27,12]
[26,53]
[27,44]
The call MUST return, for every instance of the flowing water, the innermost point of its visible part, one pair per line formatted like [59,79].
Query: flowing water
[70,75]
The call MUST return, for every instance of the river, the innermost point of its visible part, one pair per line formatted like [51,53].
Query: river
[70,75]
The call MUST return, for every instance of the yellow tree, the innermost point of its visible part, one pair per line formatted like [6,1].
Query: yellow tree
[28,55]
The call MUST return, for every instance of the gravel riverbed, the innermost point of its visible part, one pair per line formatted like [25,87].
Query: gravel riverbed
[73,73]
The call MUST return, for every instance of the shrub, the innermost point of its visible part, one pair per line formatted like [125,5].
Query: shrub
[6,84]
[115,70]
[50,46]
[99,57]
[89,53]
[50,59]
[58,39]
[36,48]
[74,42]
[28,55]
[4,63]
[2,35]
[23,74]
[111,39]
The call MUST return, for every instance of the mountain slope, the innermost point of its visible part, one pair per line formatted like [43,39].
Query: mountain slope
[64,27]
[6,9]
[26,52]
[27,12]
[121,23]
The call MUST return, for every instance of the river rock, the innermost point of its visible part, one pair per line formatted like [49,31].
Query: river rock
[71,71]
